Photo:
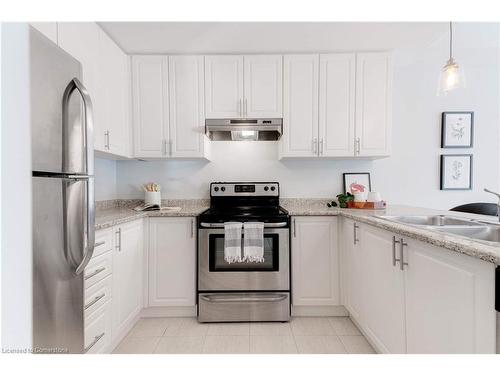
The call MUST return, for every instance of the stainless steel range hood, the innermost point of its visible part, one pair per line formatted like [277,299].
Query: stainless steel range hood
[244,129]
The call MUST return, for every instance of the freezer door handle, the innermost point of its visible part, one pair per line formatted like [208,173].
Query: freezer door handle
[88,136]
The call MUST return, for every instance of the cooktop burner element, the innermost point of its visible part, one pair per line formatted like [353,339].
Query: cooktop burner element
[244,201]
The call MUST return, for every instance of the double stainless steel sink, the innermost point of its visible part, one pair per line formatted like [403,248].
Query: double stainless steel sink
[472,229]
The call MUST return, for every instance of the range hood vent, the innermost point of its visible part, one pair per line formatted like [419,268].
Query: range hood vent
[244,129]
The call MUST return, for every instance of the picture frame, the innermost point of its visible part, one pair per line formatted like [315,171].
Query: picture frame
[456,172]
[457,129]
[359,178]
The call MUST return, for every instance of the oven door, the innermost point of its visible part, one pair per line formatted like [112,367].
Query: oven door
[215,274]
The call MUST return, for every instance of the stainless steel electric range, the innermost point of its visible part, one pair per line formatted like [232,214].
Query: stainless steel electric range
[244,291]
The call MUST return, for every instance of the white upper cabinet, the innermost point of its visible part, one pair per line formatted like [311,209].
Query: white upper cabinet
[150,105]
[315,261]
[243,86]
[115,89]
[172,261]
[105,75]
[49,29]
[187,116]
[373,104]
[81,40]
[300,106]
[224,86]
[337,104]
[263,86]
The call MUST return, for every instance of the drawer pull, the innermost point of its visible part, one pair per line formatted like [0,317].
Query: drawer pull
[99,243]
[97,271]
[230,298]
[96,339]
[95,300]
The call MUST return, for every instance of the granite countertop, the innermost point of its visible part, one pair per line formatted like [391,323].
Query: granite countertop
[121,211]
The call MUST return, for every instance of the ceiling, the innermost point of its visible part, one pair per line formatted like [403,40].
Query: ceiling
[269,37]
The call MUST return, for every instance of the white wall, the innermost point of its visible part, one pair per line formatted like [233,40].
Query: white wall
[410,176]
[105,179]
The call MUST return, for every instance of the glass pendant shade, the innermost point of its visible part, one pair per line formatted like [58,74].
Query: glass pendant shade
[452,77]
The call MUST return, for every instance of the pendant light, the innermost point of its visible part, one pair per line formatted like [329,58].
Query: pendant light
[452,75]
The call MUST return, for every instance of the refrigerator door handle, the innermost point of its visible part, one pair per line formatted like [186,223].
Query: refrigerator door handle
[89,161]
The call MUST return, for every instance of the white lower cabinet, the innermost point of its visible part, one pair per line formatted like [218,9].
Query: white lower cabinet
[315,261]
[172,261]
[449,301]
[437,302]
[127,275]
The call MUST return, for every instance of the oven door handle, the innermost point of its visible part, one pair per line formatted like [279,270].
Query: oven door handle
[233,299]
[266,225]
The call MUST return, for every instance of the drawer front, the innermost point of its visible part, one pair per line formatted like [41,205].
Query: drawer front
[244,307]
[97,295]
[98,268]
[98,330]
[103,241]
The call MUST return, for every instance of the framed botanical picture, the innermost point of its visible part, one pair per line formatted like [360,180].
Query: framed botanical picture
[357,182]
[456,172]
[457,129]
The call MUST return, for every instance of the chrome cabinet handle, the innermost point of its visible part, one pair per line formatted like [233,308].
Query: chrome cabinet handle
[246,108]
[357,145]
[239,108]
[170,147]
[355,227]
[315,146]
[294,228]
[95,300]
[192,228]
[97,271]
[321,146]
[394,259]
[402,263]
[88,141]
[119,245]
[164,147]
[96,339]
[106,139]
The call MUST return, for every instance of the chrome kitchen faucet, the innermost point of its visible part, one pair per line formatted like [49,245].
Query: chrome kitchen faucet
[498,203]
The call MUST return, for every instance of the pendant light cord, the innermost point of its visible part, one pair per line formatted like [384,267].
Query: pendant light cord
[451,41]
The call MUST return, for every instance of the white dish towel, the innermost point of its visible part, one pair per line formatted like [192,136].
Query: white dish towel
[232,242]
[253,243]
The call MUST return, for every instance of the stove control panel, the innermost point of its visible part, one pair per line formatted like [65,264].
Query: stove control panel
[246,189]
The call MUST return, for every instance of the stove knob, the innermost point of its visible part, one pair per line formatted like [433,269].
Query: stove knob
[216,188]
[223,189]
[273,188]
[266,188]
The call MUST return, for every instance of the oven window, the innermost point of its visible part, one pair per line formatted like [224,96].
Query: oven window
[218,264]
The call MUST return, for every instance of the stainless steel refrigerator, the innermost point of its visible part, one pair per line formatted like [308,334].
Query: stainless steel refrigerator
[63,195]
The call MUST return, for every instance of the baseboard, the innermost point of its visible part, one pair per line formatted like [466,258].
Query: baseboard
[121,335]
[319,311]
[168,311]
[367,335]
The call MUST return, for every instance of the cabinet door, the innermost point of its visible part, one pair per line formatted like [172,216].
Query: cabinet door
[114,94]
[187,118]
[224,86]
[150,102]
[354,273]
[81,40]
[449,301]
[373,104]
[315,261]
[336,104]
[172,261]
[300,106]
[127,275]
[384,302]
[49,29]
[263,86]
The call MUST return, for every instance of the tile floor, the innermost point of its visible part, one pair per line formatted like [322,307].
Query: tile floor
[332,335]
